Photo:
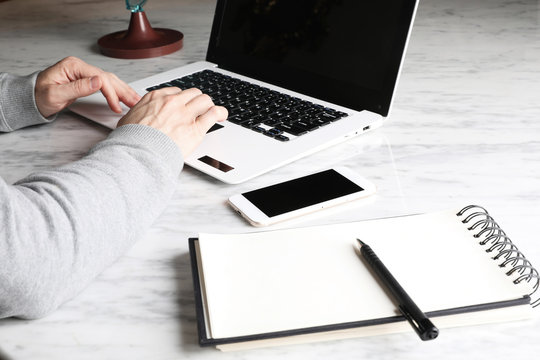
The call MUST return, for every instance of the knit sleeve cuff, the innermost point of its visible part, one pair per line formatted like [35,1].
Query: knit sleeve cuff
[18,103]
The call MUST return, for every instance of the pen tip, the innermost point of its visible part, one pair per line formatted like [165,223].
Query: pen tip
[361,242]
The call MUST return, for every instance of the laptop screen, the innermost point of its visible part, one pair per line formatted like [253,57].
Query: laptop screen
[347,52]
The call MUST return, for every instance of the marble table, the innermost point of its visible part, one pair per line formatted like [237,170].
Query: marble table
[464,129]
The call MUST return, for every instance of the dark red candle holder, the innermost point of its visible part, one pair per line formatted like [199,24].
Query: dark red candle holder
[140,40]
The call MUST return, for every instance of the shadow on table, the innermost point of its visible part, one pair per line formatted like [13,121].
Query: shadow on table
[3,356]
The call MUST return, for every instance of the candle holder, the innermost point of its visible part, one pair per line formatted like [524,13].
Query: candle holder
[140,40]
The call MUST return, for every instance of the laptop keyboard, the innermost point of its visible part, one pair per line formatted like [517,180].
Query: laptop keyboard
[258,108]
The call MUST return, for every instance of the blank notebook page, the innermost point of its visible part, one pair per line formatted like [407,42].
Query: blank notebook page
[292,279]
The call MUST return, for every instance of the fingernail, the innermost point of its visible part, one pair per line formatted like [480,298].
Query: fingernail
[94,82]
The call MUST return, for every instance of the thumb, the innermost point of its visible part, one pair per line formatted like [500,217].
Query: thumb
[79,88]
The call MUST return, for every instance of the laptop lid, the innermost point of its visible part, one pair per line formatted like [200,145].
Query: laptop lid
[347,52]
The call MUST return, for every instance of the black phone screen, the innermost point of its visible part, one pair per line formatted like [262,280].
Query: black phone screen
[301,192]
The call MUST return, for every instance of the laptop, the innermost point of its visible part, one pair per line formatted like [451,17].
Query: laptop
[296,76]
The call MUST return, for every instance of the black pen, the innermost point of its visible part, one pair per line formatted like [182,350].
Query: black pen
[418,320]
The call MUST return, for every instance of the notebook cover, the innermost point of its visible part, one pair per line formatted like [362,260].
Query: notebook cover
[205,341]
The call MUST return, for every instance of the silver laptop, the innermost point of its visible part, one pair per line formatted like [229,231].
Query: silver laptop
[296,77]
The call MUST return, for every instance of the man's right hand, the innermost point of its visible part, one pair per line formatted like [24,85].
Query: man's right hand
[183,115]
[61,84]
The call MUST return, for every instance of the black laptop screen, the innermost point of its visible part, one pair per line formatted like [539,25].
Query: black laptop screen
[344,51]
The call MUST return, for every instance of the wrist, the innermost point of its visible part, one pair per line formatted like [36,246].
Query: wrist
[153,140]
[17,96]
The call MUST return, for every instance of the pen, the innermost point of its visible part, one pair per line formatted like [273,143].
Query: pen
[418,320]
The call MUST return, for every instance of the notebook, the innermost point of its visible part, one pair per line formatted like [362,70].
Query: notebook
[296,77]
[309,284]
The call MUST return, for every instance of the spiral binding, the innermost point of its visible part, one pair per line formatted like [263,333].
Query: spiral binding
[495,239]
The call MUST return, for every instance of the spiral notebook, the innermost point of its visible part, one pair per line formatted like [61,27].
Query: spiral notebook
[309,284]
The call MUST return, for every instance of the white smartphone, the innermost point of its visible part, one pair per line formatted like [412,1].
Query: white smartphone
[304,195]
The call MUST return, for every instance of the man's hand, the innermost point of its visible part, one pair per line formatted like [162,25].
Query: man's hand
[61,84]
[185,116]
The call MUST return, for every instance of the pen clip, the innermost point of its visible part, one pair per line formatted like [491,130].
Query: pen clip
[424,327]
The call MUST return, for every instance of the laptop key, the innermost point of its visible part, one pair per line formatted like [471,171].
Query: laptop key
[258,129]
[307,126]
[327,116]
[234,119]
[292,129]
[274,132]
[272,122]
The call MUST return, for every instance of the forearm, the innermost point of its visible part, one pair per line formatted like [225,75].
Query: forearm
[61,228]
[17,102]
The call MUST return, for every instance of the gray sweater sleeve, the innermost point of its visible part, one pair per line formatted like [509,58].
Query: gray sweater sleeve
[60,228]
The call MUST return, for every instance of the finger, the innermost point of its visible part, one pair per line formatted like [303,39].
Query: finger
[129,97]
[200,104]
[189,94]
[113,89]
[213,115]
[110,95]
[157,94]
[160,93]
[171,90]
[125,93]
[76,89]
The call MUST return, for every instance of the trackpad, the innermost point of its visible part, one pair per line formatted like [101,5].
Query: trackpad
[214,128]
[215,163]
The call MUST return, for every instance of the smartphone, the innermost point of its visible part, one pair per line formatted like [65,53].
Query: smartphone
[300,196]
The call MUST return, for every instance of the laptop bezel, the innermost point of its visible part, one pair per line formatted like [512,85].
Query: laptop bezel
[377,101]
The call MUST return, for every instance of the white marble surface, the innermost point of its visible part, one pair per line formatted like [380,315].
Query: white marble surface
[464,129]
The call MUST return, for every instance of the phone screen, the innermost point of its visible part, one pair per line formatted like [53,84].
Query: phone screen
[302,192]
